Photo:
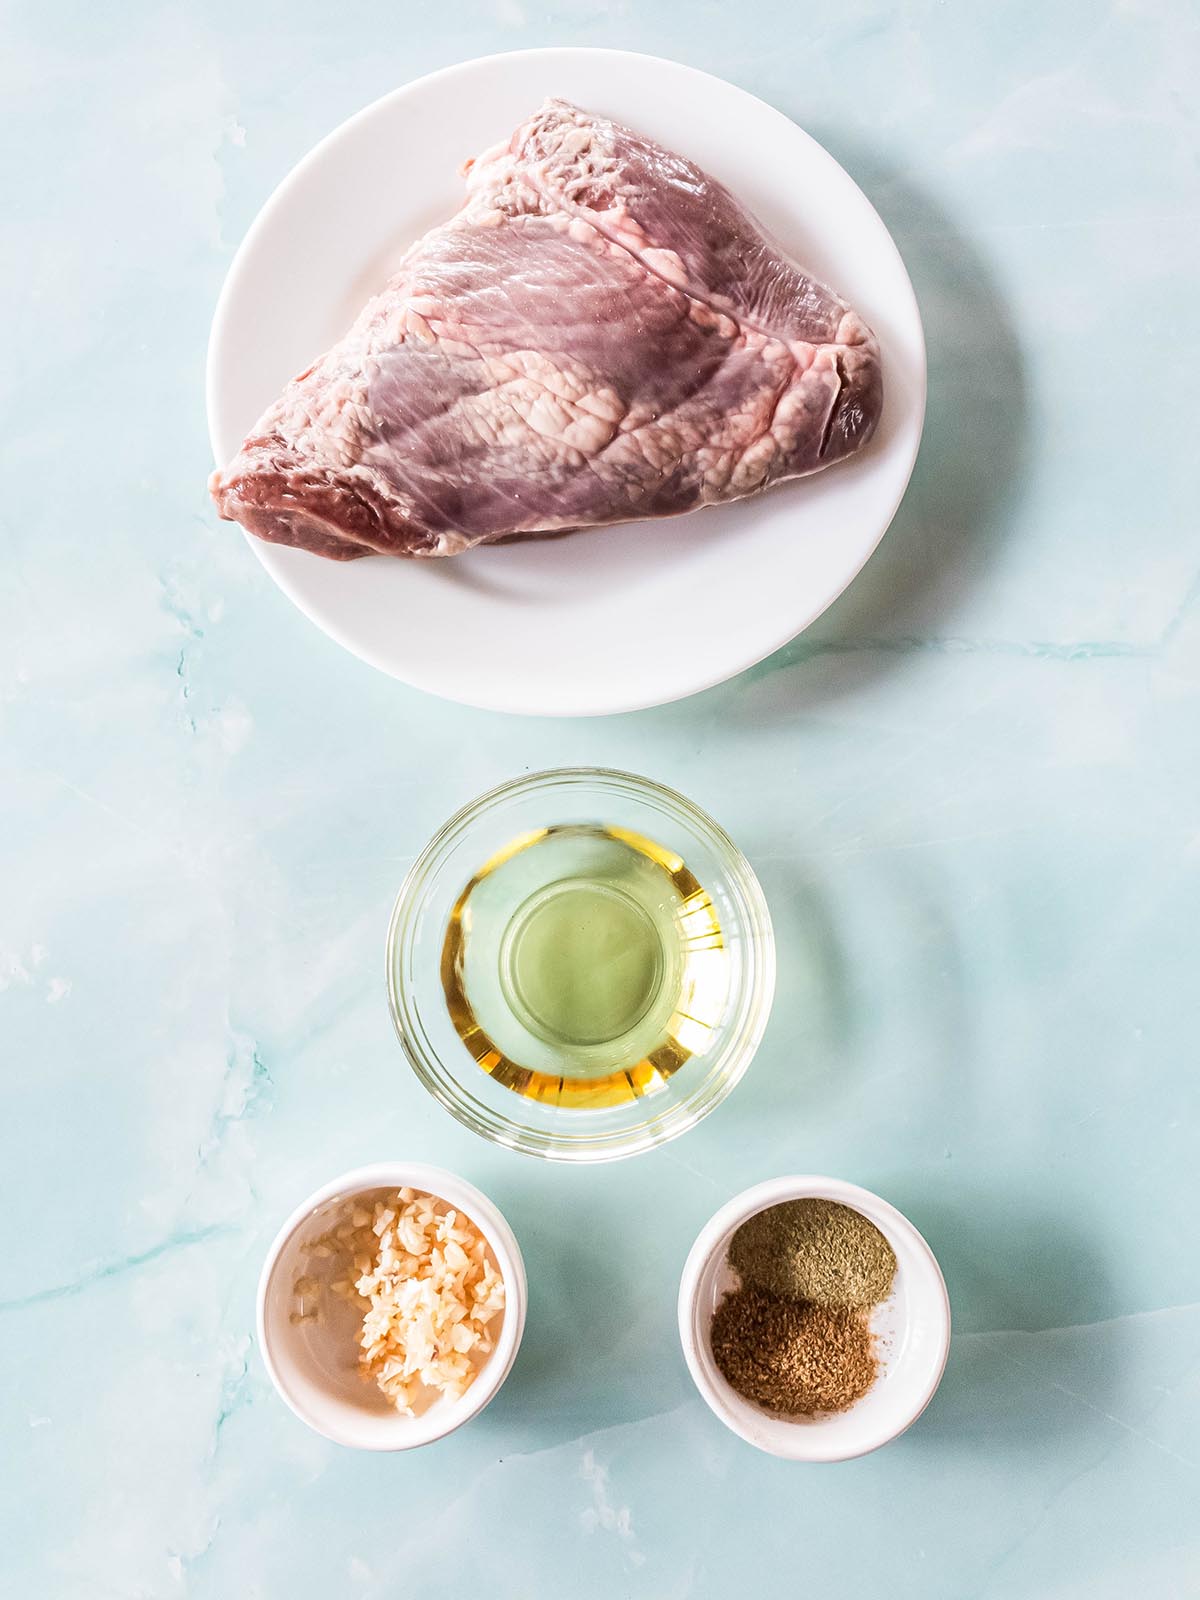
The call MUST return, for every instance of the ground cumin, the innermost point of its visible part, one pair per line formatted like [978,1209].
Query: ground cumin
[793,1357]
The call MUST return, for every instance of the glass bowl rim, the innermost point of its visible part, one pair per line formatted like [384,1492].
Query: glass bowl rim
[733,1057]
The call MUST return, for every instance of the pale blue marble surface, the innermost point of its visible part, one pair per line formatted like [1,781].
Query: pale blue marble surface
[971,792]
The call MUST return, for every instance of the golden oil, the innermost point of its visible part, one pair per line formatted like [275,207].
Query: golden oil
[584,965]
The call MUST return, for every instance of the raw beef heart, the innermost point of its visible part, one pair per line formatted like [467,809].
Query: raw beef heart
[600,333]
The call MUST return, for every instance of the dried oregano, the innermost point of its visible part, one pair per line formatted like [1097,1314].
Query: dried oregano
[814,1250]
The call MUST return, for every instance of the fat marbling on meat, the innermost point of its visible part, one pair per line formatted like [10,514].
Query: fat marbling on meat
[600,333]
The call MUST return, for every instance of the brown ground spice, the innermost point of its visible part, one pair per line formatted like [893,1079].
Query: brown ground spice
[793,1357]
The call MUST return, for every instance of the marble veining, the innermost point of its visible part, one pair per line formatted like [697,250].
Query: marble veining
[970,792]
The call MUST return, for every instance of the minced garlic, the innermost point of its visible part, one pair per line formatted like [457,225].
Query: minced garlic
[421,1274]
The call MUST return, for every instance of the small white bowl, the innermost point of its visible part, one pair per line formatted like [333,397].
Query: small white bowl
[913,1329]
[313,1365]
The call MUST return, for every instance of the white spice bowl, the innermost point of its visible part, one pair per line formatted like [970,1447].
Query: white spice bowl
[314,1364]
[912,1330]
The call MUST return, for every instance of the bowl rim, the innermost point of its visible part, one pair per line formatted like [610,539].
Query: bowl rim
[676,1118]
[806,1444]
[439,1421]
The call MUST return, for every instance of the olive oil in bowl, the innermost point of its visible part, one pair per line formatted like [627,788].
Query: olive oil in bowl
[584,965]
[580,964]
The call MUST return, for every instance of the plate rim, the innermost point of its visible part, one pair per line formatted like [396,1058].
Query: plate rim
[586,706]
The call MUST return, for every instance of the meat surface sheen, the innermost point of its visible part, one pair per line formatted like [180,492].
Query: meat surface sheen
[600,333]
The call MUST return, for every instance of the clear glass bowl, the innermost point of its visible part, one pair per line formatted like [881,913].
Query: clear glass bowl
[417,945]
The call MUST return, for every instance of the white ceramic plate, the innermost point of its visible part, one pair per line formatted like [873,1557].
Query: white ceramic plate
[615,619]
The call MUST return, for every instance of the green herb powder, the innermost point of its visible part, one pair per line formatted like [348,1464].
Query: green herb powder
[814,1250]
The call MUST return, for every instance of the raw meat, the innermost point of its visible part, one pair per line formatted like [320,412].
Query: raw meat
[600,333]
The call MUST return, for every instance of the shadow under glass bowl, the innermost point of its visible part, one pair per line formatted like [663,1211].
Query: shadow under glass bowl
[487,1092]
